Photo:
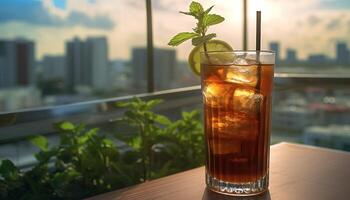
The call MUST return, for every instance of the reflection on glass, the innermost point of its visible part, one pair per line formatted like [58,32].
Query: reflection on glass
[58,52]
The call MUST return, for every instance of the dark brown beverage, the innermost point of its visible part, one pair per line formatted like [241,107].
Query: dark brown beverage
[237,106]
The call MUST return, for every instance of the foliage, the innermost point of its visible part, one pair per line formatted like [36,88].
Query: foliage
[163,146]
[83,164]
[86,162]
[204,21]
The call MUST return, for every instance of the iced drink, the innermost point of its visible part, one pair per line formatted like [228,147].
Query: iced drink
[236,89]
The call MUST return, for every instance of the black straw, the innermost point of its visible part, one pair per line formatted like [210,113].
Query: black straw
[258,30]
[258,46]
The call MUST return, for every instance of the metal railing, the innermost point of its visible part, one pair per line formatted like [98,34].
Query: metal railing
[23,123]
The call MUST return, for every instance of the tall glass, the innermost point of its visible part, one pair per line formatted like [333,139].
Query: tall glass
[236,88]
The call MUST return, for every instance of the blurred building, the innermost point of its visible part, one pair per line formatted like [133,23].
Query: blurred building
[342,53]
[332,136]
[292,117]
[318,59]
[53,67]
[291,56]
[275,46]
[17,63]
[315,94]
[326,113]
[164,68]
[87,63]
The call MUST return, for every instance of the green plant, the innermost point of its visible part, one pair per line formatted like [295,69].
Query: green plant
[83,164]
[199,35]
[163,146]
[86,162]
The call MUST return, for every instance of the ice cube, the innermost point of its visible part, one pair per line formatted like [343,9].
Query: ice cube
[240,61]
[217,95]
[235,126]
[247,100]
[246,75]
[244,60]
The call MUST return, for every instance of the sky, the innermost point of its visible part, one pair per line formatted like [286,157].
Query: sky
[312,26]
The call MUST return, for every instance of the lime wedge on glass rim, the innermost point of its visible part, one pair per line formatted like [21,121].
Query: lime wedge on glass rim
[212,45]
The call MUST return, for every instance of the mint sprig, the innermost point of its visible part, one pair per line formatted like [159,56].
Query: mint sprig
[199,35]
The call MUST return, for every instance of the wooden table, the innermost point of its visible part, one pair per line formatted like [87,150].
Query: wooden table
[297,172]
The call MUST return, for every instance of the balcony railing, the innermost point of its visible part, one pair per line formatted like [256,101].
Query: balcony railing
[17,125]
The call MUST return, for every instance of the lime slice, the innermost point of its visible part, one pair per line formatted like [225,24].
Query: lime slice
[212,45]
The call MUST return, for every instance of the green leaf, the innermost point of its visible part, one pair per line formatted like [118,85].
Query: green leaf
[208,10]
[136,143]
[200,40]
[7,167]
[40,141]
[181,37]
[162,120]
[8,170]
[212,19]
[108,142]
[187,13]
[196,9]
[88,135]
[66,126]
[122,104]
[154,102]
[45,156]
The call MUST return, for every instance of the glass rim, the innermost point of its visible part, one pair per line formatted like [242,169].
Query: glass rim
[265,52]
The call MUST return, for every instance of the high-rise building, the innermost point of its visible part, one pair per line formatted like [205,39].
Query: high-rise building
[139,68]
[98,62]
[342,53]
[291,56]
[87,63]
[164,68]
[17,63]
[275,46]
[317,59]
[53,67]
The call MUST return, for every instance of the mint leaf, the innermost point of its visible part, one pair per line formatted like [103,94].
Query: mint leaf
[150,104]
[181,37]
[200,40]
[66,126]
[208,10]
[40,141]
[8,170]
[162,120]
[212,19]
[204,21]
[196,9]
[187,13]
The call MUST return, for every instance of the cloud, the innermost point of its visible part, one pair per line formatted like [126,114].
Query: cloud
[33,12]
[99,21]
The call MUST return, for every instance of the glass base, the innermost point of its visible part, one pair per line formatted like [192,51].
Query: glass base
[237,189]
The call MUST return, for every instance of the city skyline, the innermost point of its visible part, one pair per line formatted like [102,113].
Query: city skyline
[60,20]
[290,54]
[86,63]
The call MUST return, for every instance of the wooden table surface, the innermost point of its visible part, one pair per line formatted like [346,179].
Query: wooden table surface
[297,172]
